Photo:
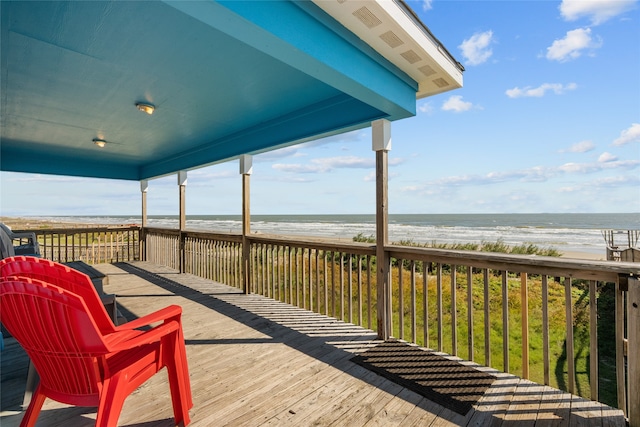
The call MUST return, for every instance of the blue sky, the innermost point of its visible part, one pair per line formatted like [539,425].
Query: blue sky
[548,120]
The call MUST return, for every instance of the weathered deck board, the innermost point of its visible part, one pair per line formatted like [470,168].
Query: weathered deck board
[254,361]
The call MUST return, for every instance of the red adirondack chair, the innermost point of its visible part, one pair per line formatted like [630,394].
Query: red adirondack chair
[66,278]
[78,363]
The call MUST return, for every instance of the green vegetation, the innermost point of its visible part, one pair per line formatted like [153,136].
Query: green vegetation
[497,246]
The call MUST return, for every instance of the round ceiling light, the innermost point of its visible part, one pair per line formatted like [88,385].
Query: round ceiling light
[145,107]
[99,142]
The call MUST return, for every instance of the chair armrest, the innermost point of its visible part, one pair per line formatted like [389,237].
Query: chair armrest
[147,337]
[172,312]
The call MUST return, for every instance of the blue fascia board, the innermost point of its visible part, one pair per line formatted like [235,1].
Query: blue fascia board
[13,159]
[306,38]
[293,129]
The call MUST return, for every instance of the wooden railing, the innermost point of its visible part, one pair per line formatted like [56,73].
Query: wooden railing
[572,324]
[556,321]
[92,245]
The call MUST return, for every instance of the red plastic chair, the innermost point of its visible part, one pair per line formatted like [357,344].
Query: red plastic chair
[79,364]
[64,277]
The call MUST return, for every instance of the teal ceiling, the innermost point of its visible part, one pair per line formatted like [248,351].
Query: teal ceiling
[227,78]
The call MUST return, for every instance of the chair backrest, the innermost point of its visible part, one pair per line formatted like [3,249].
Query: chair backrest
[64,277]
[7,247]
[58,332]
[6,242]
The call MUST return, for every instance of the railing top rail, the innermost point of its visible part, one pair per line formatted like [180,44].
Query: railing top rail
[228,237]
[325,244]
[171,231]
[559,266]
[76,230]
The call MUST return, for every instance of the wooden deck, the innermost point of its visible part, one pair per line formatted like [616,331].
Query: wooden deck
[254,361]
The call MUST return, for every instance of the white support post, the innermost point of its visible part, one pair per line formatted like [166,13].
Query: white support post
[246,167]
[182,183]
[381,144]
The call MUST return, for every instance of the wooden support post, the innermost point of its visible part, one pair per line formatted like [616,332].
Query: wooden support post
[246,165]
[381,142]
[144,187]
[633,357]
[620,361]
[182,183]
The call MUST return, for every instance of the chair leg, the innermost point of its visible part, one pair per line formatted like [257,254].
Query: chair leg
[184,367]
[30,386]
[111,403]
[35,406]
[179,383]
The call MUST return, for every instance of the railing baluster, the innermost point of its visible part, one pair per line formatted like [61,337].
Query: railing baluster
[326,285]
[360,290]
[350,288]
[505,320]
[470,312]
[620,356]
[369,281]
[439,305]
[400,300]
[487,319]
[545,329]
[317,253]
[342,284]
[524,309]
[593,341]
[454,311]
[333,285]
[571,370]
[414,333]
[425,301]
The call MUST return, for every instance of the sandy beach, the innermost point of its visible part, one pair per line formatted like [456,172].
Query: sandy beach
[17,223]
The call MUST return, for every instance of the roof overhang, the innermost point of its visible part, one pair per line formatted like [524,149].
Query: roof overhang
[228,78]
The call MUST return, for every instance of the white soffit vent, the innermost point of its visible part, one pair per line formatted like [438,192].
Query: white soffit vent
[411,56]
[391,39]
[396,34]
[367,18]
[427,70]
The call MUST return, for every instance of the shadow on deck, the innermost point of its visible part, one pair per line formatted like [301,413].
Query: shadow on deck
[300,373]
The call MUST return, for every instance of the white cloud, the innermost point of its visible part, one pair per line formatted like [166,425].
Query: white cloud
[426,4]
[328,164]
[607,157]
[572,45]
[629,135]
[456,104]
[598,11]
[580,147]
[533,174]
[206,174]
[426,108]
[476,49]
[616,181]
[540,91]
[370,177]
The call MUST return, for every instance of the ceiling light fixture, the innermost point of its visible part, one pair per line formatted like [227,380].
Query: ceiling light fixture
[99,142]
[145,108]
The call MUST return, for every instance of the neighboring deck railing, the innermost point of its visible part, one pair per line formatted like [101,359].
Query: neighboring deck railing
[92,245]
[571,324]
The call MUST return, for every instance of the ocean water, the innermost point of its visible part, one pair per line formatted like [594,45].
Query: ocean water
[580,232]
